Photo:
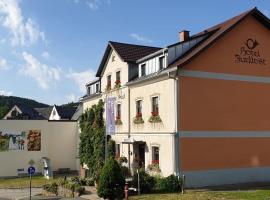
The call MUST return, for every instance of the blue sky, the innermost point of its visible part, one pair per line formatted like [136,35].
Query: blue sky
[50,48]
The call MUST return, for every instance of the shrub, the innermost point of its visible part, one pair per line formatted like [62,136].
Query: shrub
[111,181]
[79,189]
[147,182]
[168,184]
[52,188]
[90,181]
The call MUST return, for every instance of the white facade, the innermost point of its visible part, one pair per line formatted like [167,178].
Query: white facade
[161,135]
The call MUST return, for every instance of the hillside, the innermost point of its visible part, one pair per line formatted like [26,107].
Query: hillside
[6,102]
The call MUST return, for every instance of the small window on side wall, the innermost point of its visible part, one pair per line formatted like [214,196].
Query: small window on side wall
[117,151]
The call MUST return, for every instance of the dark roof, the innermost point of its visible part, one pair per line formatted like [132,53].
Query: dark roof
[45,112]
[30,112]
[127,52]
[65,112]
[218,31]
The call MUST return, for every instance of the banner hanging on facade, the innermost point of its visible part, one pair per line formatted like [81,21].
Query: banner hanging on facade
[110,122]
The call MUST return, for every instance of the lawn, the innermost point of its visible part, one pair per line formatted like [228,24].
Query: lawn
[37,181]
[208,195]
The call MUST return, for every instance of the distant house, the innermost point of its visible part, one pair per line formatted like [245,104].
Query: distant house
[62,113]
[22,112]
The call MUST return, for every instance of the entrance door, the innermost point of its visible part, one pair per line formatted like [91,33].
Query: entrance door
[141,155]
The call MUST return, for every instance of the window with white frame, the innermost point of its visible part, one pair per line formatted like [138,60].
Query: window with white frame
[117,151]
[143,66]
[155,105]
[118,111]
[161,62]
[155,155]
[139,108]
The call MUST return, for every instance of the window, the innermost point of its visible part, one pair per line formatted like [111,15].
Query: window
[113,58]
[155,108]
[109,79]
[88,90]
[117,150]
[143,70]
[155,155]
[161,63]
[139,108]
[118,111]
[97,87]
[118,78]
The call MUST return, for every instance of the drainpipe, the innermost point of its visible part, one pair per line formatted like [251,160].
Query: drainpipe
[176,133]
[129,127]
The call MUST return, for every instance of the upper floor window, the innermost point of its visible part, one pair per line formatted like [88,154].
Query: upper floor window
[139,108]
[97,87]
[88,90]
[155,106]
[117,151]
[113,58]
[143,66]
[161,62]
[109,80]
[118,79]
[118,111]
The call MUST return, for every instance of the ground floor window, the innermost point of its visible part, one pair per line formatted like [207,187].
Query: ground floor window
[117,151]
[155,155]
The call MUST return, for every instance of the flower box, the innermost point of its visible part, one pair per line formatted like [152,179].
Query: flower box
[118,120]
[138,119]
[155,118]
[117,84]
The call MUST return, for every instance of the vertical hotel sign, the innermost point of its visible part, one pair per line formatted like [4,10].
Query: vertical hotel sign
[110,123]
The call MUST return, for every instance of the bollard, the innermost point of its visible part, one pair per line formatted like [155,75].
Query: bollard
[126,191]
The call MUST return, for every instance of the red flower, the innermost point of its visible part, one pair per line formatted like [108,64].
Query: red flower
[117,82]
[138,115]
[155,162]
[154,113]
[118,117]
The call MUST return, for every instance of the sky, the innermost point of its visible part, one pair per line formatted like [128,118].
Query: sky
[49,49]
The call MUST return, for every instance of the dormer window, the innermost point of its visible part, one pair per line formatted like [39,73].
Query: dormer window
[143,69]
[161,62]
[97,87]
[88,90]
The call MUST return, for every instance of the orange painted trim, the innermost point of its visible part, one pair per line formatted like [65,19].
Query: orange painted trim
[224,153]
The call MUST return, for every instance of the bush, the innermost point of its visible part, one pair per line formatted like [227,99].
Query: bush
[122,160]
[168,184]
[111,181]
[79,189]
[147,182]
[89,181]
[52,188]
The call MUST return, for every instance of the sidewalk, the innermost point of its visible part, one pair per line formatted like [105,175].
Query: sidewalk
[91,193]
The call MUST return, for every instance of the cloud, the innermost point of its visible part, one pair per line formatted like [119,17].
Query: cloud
[93,4]
[42,73]
[72,98]
[81,78]
[3,64]
[140,38]
[23,32]
[46,55]
[266,12]
[5,93]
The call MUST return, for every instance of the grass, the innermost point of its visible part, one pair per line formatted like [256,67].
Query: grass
[209,195]
[37,181]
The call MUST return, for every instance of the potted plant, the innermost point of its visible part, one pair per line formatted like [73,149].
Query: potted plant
[138,119]
[118,120]
[117,84]
[155,118]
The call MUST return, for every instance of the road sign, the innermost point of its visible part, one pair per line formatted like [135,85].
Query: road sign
[31,170]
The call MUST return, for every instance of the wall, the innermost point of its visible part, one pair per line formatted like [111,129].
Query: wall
[224,110]
[58,143]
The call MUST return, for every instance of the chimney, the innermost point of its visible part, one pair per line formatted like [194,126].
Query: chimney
[183,35]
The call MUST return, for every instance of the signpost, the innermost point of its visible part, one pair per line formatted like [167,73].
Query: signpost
[31,170]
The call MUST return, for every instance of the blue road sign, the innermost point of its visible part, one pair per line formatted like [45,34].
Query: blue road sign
[31,170]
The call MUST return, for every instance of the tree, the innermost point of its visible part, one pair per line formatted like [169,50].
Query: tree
[111,181]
